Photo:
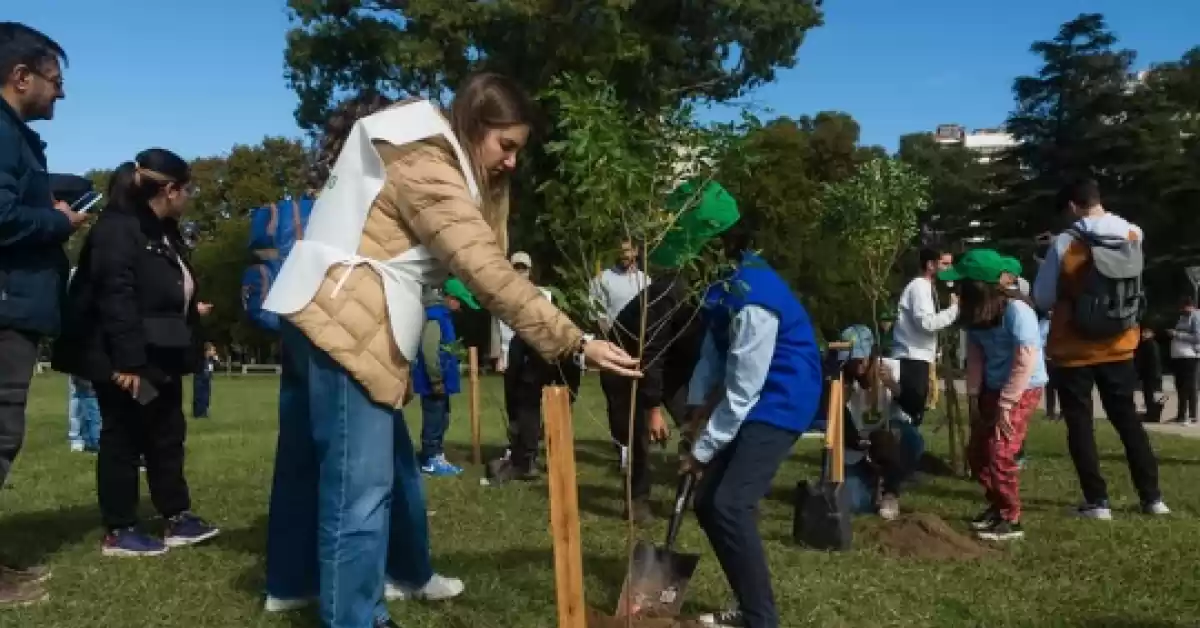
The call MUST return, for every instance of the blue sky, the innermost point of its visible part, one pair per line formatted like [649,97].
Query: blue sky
[199,77]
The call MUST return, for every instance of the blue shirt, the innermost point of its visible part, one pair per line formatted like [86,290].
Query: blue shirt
[1019,328]
[744,371]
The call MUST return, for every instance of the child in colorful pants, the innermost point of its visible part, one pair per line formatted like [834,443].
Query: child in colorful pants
[1005,377]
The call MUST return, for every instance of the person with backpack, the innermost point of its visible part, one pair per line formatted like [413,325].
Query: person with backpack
[1005,377]
[1091,280]
[1185,355]
[436,375]
[413,192]
[131,320]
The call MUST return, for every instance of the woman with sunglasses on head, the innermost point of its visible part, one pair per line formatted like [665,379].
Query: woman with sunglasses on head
[129,328]
[413,193]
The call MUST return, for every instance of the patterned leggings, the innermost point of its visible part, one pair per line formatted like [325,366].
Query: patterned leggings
[992,455]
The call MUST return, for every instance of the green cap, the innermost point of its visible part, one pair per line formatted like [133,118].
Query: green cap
[457,289]
[713,211]
[983,265]
[1012,266]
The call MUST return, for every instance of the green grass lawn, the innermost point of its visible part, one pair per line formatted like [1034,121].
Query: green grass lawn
[1130,572]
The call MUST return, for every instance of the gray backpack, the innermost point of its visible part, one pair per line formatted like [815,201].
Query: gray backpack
[1112,300]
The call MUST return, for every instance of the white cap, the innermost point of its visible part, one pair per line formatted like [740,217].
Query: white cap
[521,257]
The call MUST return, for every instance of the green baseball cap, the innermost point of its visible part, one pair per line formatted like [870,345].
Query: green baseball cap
[983,265]
[712,213]
[456,288]
[1012,266]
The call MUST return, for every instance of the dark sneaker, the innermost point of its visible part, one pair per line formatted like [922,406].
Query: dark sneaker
[131,543]
[14,595]
[503,471]
[1002,531]
[1098,511]
[188,529]
[985,520]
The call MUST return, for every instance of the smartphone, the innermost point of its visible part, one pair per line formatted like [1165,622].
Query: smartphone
[86,202]
[146,392]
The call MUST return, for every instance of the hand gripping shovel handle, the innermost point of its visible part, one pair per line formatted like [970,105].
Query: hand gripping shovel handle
[683,494]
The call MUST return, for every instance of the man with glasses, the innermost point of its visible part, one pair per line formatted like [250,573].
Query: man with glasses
[33,266]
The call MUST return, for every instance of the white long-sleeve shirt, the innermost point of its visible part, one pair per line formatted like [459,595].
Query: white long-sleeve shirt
[614,289]
[918,322]
[743,371]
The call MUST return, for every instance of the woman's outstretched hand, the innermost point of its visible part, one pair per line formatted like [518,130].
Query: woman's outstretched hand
[607,356]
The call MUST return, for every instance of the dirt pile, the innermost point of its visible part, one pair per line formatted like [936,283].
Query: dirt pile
[925,537]
[596,619]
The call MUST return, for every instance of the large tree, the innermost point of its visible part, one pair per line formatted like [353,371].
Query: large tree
[778,179]
[654,52]
[960,186]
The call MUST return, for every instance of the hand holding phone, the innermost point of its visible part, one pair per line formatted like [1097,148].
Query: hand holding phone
[86,202]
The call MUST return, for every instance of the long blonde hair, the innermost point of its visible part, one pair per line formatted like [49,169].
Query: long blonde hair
[483,102]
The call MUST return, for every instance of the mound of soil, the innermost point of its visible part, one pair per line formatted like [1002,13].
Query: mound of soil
[596,619]
[925,537]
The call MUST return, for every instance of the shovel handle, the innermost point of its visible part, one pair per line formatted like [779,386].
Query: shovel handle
[683,493]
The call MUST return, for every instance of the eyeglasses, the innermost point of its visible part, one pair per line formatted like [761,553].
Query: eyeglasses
[56,81]
[520,267]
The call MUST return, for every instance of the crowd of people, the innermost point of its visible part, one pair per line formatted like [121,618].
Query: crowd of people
[415,229]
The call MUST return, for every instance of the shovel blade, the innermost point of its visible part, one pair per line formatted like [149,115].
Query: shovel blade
[657,583]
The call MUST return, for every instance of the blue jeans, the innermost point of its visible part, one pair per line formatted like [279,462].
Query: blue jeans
[860,487]
[435,420]
[83,415]
[347,504]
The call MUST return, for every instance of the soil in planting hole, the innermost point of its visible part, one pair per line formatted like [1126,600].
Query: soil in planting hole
[596,619]
[925,537]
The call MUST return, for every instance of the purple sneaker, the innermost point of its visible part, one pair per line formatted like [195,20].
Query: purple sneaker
[131,543]
[188,529]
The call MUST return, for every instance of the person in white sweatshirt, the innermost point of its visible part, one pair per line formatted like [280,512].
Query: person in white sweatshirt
[1185,355]
[915,341]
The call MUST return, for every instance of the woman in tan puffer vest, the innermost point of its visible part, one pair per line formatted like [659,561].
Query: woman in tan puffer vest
[412,193]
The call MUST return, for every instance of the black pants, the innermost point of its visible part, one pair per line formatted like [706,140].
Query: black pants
[1184,370]
[18,359]
[727,509]
[1116,382]
[1051,391]
[618,395]
[524,379]
[914,389]
[201,395]
[130,431]
[616,401]
[1151,389]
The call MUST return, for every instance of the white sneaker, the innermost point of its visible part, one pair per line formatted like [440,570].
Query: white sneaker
[723,619]
[437,589]
[889,508]
[1157,508]
[76,447]
[1096,512]
[281,605]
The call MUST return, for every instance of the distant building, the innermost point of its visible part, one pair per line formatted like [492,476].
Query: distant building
[990,144]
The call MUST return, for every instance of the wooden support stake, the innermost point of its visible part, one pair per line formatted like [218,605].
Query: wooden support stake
[564,507]
[476,451]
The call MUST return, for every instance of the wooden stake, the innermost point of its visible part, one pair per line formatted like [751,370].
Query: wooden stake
[564,507]
[476,451]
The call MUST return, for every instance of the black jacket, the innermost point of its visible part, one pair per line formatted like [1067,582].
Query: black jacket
[1148,359]
[674,334]
[33,266]
[125,307]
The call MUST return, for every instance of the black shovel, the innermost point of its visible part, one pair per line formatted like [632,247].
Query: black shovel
[823,517]
[660,576]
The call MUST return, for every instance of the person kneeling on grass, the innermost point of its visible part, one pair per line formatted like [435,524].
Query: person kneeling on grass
[881,453]
[1005,378]
[761,353]
[437,377]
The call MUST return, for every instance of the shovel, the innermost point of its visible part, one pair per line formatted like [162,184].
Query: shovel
[660,576]
[822,519]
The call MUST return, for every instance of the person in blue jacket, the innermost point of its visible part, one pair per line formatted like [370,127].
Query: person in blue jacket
[436,376]
[760,371]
